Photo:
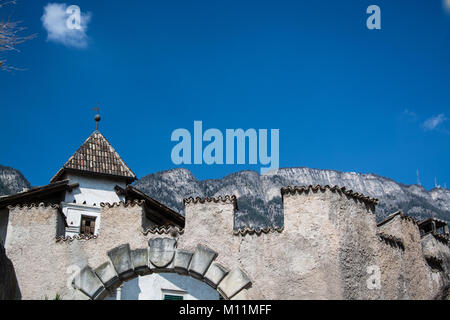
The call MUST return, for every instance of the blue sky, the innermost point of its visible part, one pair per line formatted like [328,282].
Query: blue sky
[344,97]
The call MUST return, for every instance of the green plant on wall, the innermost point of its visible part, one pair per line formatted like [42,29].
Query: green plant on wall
[57,297]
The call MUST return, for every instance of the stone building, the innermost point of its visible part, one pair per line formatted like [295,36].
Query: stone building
[90,234]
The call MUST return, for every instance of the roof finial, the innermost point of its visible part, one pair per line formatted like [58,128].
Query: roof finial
[97,117]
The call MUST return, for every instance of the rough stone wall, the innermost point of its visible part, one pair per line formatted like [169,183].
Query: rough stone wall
[305,254]
[120,224]
[30,245]
[43,265]
[322,253]
[356,227]
[211,223]
[328,242]
[390,263]
[332,238]
[438,252]
[410,275]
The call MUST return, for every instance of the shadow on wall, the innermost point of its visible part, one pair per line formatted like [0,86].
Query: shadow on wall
[153,287]
[131,290]
[9,287]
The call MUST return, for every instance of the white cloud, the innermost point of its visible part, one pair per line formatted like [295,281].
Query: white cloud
[433,122]
[54,21]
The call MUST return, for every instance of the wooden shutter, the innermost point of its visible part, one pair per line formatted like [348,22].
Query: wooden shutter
[83,225]
[87,226]
[92,226]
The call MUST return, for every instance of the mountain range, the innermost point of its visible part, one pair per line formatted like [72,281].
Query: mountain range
[259,197]
[12,181]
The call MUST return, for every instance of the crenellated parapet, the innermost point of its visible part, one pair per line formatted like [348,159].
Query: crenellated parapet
[415,272]
[122,220]
[33,221]
[34,205]
[169,230]
[307,206]
[391,240]
[123,204]
[401,226]
[328,248]
[78,237]
[258,231]
[211,221]
[226,199]
[335,230]
[341,190]
[205,211]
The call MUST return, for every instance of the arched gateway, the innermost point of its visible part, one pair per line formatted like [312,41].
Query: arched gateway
[161,256]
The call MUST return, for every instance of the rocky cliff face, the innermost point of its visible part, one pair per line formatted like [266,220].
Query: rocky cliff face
[11,181]
[259,199]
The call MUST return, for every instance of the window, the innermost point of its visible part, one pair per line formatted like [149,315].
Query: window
[172,297]
[170,294]
[87,226]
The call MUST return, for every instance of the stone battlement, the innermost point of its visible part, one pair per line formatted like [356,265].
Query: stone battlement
[328,244]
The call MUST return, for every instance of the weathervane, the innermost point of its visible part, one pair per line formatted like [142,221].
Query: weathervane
[97,117]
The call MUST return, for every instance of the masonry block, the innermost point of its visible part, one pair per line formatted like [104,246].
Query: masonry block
[88,282]
[215,274]
[121,260]
[233,283]
[78,295]
[107,274]
[201,260]
[139,257]
[242,295]
[161,253]
[181,261]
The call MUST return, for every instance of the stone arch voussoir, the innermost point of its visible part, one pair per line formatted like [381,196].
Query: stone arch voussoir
[161,256]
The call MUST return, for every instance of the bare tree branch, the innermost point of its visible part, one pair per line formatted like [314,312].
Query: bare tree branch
[10,37]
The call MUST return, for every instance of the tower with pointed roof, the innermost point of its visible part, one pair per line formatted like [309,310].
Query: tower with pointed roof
[97,157]
[98,170]
[94,174]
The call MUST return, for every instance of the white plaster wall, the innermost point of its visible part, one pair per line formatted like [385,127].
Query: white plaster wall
[153,287]
[94,190]
[73,213]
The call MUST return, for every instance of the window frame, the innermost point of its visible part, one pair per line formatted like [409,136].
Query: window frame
[85,217]
[171,292]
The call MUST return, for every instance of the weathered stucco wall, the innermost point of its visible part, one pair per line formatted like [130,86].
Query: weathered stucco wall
[211,222]
[322,253]
[411,276]
[44,264]
[30,245]
[328,244]
[437,253]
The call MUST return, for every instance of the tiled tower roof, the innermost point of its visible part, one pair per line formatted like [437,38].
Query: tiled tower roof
[96,156]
